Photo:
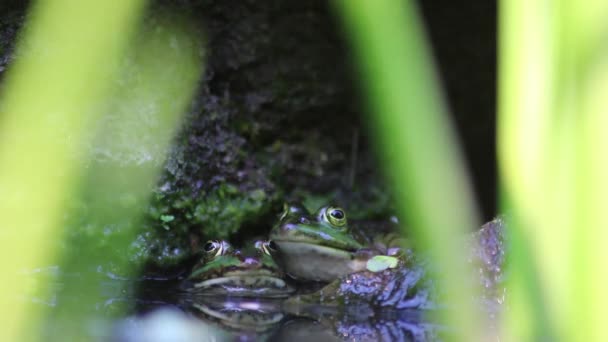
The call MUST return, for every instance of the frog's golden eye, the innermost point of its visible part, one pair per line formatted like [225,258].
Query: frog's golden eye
[214,247]
[336,216]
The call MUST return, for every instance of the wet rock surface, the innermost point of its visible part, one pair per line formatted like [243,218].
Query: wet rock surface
[488,249]
[399,288]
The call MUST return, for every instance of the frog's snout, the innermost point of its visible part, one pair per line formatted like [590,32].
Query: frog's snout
[252,262]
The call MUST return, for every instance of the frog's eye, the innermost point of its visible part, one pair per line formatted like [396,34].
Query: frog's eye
[271,247]
[285,212]
[214,247]
[336,216]
[268,247]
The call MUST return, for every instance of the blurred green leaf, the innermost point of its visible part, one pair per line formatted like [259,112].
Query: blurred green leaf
[52,90]
[416,143]
[552,142]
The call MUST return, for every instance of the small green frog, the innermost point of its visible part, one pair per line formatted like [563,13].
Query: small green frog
[252,272]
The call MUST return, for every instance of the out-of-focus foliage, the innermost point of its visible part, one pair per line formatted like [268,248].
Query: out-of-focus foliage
[153,87]
[553,162]
[48,103]
[75,93]
[416,143]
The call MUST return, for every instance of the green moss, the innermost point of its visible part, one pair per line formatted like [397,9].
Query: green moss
[176,222]
[224,211]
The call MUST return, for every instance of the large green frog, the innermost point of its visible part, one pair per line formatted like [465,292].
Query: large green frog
[251,272]
[317,246]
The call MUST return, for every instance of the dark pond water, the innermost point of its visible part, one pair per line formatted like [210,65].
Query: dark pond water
[163,310]
[167,313]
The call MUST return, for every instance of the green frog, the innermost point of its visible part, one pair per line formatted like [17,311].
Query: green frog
[410,283]
[251,272]
[319,246]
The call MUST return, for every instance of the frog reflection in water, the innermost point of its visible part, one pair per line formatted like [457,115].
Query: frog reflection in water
[318,247]
[252,272]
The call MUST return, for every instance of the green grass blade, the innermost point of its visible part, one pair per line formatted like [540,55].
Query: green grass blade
[552,123]
[525,90]
[60,74]
[416,142]
[154,85]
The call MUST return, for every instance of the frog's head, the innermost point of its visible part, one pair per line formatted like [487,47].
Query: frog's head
[317,246]
[327,228]
[248,273]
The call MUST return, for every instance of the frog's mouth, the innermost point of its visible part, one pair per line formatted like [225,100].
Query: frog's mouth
[304,247]
[244,284]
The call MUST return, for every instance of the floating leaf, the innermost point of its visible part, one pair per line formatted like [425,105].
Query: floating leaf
[381,263]
[167,218]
